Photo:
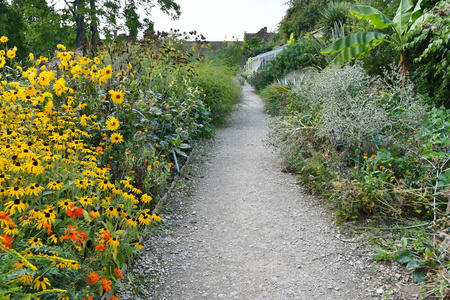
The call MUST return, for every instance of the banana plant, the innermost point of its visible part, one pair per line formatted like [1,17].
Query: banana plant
[352,46]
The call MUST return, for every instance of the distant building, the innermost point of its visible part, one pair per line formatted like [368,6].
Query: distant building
[261,34]
[259,61]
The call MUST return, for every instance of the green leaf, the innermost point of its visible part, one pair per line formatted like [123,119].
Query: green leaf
[354,52]
[419,275]
[403,256]
[413,264]
[404,241]
[403,16]
[353,41]
[373,15]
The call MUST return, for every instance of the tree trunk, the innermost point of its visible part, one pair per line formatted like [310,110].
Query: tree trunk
[94,26]
[79,21]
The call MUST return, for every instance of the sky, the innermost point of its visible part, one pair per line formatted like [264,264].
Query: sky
[220,20]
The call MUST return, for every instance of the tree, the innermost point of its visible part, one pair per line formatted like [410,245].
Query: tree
[111,13]
[354,45]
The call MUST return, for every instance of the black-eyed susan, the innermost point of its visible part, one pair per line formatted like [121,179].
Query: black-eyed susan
[55,185]
[112,212]
[16,205]
[146,198]
[11,229]
[3,39]
[144,219]
[15,191]
[65,204]
[85,201]
[113,242]
[54,238]
[4,177]
[35,241]
[41,282]
[112,123]
[26,279]
[94,213]
[34,189]
[138,246]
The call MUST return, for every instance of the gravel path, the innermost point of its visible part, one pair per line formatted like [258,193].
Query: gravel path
[242,229]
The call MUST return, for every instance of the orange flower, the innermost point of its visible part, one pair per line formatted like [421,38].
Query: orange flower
[381,167]
[89,298]
[106,235]
[170,165]
[373,156]
[114,298]
[93,277]
[100,247]
[106,285]
[6,240]
[48,227]
[365,154]
[99,150]
[118,273]
[74,212]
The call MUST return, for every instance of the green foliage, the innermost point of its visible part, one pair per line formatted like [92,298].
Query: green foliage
[301,17]
[218,89]
[355,45]
[293,57]
[429,46]
[335,13]
[12,26]
[275,96]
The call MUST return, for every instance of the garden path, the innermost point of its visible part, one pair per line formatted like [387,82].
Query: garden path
[245,230]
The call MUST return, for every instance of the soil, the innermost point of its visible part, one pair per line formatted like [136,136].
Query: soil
[238,227]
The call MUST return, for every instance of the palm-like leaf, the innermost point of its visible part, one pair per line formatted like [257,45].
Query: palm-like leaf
[354,40]
[373,15]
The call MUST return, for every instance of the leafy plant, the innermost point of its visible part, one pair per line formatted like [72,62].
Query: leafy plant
[354,45]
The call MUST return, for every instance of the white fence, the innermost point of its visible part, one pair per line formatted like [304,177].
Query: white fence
[259,61]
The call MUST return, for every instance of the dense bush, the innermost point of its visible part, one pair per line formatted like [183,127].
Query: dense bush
[293,57]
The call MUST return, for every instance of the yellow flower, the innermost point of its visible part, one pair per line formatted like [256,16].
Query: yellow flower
[34,241]
[112,123]
[17,204]
[65,204]
[15,191]
[31,56]
[3,39]
[61,47]
[11,53]
[41,282]
[146,198]
[26,279]
[117,97]
[138,246]
[55,185]
[116,138]
[45,77]
[113,242]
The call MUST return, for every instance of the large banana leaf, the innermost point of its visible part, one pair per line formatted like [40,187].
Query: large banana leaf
[403,16]
[354,40]
[373,15]
[354,52]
